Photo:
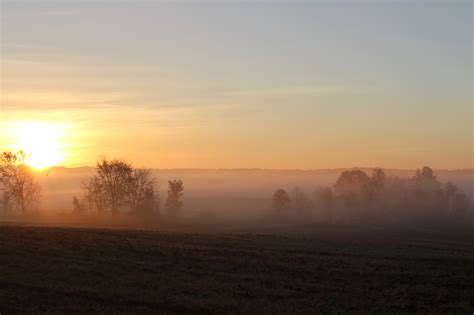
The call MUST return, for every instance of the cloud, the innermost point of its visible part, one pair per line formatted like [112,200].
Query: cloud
[52,100]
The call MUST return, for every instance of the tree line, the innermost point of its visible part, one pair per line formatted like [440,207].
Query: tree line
[115,186]
[18,185]
[358,196]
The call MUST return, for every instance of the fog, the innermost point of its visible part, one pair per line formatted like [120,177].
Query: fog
[240,198]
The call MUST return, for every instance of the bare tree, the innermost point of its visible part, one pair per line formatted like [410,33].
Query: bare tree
[281,200]
[95,194]
[117,184]
[114,176]
[175,192]
[78,207]
[140,190]
[6,203]
[18,181]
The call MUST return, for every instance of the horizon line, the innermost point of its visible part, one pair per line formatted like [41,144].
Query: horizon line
[274,169]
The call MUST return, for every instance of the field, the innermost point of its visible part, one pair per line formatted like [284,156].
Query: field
[337,269]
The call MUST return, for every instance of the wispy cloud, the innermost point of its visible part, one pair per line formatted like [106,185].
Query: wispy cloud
[52,100]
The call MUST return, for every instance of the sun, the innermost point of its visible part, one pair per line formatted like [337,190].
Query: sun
[41,142]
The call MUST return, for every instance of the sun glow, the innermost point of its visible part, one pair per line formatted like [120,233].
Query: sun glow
[41,142]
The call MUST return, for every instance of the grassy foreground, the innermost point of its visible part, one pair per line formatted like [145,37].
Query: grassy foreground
[70,270]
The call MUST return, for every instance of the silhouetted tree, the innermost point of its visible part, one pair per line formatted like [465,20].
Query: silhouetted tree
[425,180]
[175,192]
[140,186]
[425,196]
[351,186]
[18,181]
[419,199]
[117,184]
[113,176]
[377,181]
[281,200]
[424,174]
[375,185]
[6,204]
[78,207]
[352,181]
[95,194]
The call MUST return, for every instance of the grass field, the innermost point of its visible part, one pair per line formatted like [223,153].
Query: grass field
[72,270]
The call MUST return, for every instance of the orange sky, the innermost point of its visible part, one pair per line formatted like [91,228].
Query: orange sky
[265,85]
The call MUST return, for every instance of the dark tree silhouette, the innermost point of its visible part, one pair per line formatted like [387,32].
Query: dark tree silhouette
[95,194]
[351,186]
[18,183]
[376,184]
[114,176]
[377,181]
[281,200]
[140,188]
[117,184]
[6,203]
[175,192]
[78,207]
[353,181]
[426,174]
[426,181]
[419,199]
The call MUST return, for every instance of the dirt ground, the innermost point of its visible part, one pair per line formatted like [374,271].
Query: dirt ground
[327,270]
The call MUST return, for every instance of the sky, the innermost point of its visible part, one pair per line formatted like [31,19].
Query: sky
[240,84]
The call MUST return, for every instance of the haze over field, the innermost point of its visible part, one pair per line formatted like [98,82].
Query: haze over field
[245,191]
[214,157]
[230,99]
